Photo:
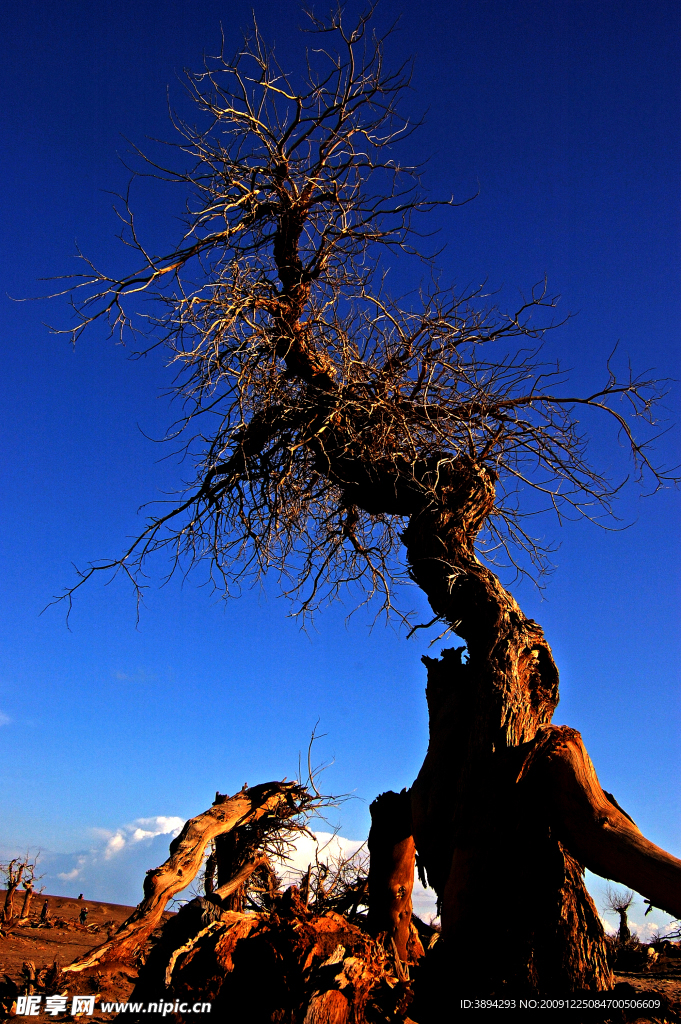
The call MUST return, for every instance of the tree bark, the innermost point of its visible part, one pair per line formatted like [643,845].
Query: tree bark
[8,909]
[12,886]
[253,864]
[481,849]
[236,857]
[480,844]
[561,778]
[391,874]
[623,934]
[506,808]
[176,873]
[28,895]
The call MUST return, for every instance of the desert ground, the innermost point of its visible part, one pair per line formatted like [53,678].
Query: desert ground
[63,938]
[61,941]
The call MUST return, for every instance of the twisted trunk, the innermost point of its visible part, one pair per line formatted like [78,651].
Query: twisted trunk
[13,883]
[28,896]
[480,844]
[507,808]
[180,869]
[482,837]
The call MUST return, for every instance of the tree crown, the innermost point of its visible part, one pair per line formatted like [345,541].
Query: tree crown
[319,411]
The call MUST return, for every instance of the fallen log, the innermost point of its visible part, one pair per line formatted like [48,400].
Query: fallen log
[186,856]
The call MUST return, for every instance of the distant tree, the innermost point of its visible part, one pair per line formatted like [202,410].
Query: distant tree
[343,439]
[20,871]
[29,891]
[618,902]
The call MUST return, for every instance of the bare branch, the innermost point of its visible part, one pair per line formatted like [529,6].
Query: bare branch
[319,413]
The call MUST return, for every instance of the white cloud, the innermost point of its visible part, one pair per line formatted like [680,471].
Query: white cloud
[642,930]
[141,830]
[114,845]
[326,845]
[4,719]
[645,930]
[69,876]
[113,869]
[161,825]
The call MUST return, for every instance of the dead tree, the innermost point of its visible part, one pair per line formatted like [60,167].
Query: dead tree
[619,903]
[20,871]
[336,882]
[29,890]
[12,872]
[391,873]
[342,438]
[292,960]
[241,862]
[278,801]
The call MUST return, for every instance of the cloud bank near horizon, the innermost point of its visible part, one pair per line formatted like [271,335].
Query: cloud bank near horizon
[141,830]
[112,870]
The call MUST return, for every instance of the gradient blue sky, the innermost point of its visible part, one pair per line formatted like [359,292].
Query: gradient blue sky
[565,115]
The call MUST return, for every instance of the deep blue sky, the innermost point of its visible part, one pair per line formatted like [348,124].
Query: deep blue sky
[565,116]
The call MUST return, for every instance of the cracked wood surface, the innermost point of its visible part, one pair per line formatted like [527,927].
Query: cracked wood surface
[592,825]
[178,871]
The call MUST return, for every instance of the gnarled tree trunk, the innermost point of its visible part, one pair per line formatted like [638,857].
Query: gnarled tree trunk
[186,856]
[494,862]
[332,399]
[504,803]
[28,895]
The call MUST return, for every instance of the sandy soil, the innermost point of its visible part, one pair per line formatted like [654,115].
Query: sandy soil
[66,939]
[29,941]
[664,978]
[63,941]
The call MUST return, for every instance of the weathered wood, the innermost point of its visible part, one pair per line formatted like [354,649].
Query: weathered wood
[499,697]
[592,825]
[288,965]
[472,839]
[14,872]
[28,895]
[187,948]
[330,1007]
[391,873]
[238,853]
[383,407]
[186,856]
[242,875]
